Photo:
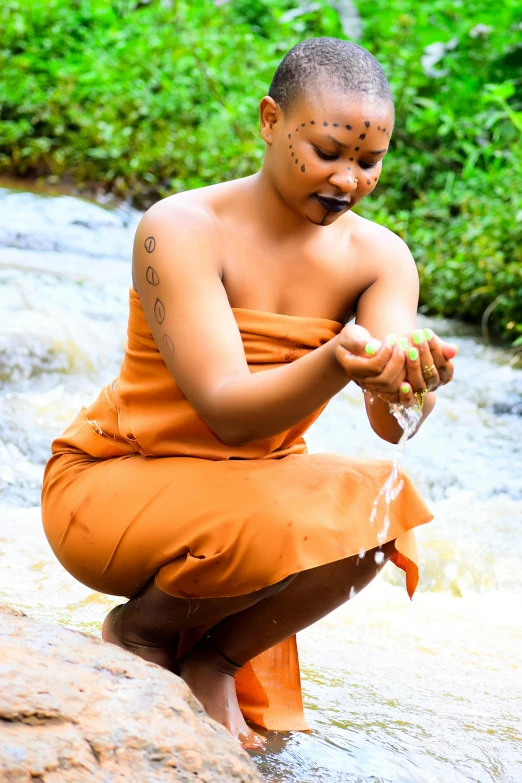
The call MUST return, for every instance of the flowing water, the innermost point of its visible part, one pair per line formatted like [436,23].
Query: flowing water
[428,691]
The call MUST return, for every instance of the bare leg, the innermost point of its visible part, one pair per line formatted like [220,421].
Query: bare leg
[149,626]
[243,627]
[312,595]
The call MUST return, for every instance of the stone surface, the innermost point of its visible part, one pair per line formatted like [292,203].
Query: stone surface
[74,709]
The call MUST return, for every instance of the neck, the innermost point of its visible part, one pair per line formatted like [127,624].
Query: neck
[276,216]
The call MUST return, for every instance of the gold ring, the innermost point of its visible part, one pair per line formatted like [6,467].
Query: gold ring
[428,371]
[419,396]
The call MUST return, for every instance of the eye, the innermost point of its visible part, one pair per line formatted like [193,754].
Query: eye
[364,165]
[324,155]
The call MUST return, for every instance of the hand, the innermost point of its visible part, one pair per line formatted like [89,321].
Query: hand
[374,366]
[428,363]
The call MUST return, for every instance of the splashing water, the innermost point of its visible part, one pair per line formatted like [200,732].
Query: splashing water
[408,419]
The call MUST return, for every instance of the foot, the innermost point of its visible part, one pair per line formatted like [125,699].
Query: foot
[211,680]
[113,631]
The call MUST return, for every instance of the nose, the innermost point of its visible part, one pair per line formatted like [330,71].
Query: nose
[344,180]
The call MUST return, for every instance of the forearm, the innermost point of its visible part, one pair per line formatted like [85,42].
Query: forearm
[269,402]
[384,424]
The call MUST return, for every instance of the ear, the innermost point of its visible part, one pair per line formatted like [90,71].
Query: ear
[269,113]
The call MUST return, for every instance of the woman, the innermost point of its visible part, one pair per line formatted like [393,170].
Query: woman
[186,486]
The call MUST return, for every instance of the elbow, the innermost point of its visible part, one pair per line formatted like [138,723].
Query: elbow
[229,434]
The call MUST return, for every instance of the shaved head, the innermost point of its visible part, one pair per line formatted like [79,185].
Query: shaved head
[330,63]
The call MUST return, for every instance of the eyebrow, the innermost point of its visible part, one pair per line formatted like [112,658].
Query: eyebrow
[341,144]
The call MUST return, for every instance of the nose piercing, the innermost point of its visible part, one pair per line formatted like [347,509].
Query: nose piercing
[356,181]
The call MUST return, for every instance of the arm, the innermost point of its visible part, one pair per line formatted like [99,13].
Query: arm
[389,305]
[178,279]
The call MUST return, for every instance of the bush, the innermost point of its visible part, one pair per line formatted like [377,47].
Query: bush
[146,97]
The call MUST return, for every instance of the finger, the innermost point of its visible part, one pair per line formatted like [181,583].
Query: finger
[387,382]
[406,397]
[428,366]
[443,365]
[415,377]
[369,363]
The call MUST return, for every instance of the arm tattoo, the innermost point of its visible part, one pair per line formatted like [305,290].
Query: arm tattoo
[159,311]
[152,276]
[169,344]
[150,244]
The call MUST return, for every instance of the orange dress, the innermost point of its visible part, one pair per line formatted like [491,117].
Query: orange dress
[139,486]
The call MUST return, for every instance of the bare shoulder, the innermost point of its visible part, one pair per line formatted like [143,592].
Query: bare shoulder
[175,214]
[383,251]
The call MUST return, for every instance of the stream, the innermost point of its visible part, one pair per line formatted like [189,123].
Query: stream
[428,691]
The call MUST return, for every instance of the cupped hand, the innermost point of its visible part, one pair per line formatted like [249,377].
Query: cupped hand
[395,368]
[377,367]
[428,363]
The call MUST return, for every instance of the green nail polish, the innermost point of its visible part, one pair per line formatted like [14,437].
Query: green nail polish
[428,334]
[391,339]
[370,348]
[413,354]
[403,343]
[418,336]
[405,388]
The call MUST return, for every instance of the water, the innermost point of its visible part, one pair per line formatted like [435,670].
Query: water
[408,419]
[428,691]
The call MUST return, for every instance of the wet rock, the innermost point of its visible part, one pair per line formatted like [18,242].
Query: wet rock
[74,709]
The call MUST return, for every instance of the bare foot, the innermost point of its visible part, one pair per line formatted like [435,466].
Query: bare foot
[211,680]
[112,631]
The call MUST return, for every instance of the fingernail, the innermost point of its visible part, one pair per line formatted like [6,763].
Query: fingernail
[405,388]
[456,347]
[413,354]
[372,347]
[428,334]
[403,343]
[391,339]
[418,336]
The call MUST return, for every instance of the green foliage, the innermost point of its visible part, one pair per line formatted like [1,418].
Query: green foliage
[150,96]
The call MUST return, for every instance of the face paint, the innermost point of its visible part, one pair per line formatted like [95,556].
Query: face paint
[150,244]
[362,136]
[367,123]
[348,127]
[303,168]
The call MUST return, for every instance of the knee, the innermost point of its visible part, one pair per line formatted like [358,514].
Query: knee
[278,587]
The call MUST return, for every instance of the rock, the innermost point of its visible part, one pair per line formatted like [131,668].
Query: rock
[75,709]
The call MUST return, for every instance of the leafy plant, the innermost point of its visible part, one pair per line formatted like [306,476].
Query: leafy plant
[146,97]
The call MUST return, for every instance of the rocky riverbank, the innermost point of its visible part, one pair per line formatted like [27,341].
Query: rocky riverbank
[75,709]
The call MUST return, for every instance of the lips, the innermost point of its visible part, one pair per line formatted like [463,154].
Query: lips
[332,204]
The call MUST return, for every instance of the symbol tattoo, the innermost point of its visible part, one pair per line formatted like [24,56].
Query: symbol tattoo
[150,244]
[152,276]
[169,344]
[159,311]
